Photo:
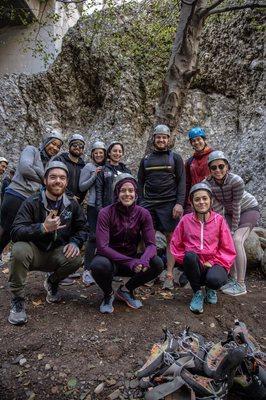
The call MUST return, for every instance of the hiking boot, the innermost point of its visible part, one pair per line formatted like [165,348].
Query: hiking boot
[231,282]
[87,278]
[107,304]
[17,315]
[237,289]
[128,298]
[196,305]
[52,291]
[211,296]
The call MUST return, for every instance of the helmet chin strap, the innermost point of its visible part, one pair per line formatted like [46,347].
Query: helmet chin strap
[203,214]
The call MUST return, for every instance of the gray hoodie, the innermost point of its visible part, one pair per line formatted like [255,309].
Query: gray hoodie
[87,182]
[29,172]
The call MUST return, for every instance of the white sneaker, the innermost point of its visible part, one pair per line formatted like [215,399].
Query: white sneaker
[237,289]
[231,282]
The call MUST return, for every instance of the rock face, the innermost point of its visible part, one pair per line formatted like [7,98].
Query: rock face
[106,81]
[253,249]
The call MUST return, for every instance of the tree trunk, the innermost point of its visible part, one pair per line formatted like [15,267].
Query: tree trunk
[182,66]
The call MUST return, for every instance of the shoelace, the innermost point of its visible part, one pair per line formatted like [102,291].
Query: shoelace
[17,305]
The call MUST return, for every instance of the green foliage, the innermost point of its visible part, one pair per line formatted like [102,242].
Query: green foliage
[138,32]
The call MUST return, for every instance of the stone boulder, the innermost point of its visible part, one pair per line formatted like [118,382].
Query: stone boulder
[263,263]
[253,249]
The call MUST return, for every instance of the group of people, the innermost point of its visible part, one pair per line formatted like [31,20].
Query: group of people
[201,207]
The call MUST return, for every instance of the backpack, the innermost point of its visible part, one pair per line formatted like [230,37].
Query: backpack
[171,160]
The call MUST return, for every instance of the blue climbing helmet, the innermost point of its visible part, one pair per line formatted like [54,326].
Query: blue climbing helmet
[196,132]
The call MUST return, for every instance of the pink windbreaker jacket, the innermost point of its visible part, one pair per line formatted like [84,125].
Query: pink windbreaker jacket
[210,240]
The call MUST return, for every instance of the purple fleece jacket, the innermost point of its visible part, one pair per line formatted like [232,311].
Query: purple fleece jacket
[119,231]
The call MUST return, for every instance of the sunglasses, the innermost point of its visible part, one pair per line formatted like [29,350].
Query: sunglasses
[215,167]
[77,145]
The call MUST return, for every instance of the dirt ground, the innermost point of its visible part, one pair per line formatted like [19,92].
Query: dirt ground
[68,349]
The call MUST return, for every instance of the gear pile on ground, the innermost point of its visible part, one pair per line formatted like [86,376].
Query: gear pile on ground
[187,367]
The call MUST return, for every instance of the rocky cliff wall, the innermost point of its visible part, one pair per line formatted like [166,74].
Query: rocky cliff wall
[106,81]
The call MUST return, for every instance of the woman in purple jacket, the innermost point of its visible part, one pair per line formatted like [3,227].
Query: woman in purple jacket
[120,228]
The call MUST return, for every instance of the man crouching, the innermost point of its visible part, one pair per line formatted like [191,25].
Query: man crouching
[48,232]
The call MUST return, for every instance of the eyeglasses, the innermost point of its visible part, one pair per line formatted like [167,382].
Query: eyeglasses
[215,167]
[77,145]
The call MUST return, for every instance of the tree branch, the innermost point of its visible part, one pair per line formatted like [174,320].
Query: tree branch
[236,8]
[206,10]
[71,1]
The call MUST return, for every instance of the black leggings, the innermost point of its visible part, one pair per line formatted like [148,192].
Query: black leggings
[103,271]
[90,247]
[198,275]
[10,206]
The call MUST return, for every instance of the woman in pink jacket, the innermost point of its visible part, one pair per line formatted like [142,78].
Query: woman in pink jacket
[202,242]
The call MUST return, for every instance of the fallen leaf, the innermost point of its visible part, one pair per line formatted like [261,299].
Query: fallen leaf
[72,383]
[99,388]
[102,330]
[40,356]
[83,296]
[167,295]
[5,270]
[37,303]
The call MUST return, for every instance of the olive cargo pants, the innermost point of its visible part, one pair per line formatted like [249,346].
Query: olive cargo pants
[27,257]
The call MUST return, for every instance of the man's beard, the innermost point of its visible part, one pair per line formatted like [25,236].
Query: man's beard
[54,190]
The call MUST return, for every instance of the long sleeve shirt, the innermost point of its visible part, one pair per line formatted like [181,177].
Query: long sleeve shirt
[231,198]
[119,231]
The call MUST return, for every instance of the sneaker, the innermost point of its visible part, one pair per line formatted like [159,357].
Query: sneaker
[168,284]
[128,298]
[211,296]
[67,281]
[196,305]
[76,275]
[231,282]
[117,279]
[17,315]
[87,278]
[107,304]
[150,284]
[52,292]
[237,289]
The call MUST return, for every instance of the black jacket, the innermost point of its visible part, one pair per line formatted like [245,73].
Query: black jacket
[31,215]
[5,183]
[161,178]
[74,175]
[104,183]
